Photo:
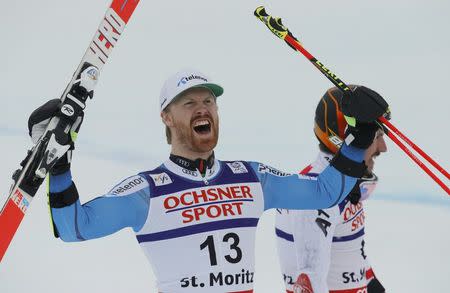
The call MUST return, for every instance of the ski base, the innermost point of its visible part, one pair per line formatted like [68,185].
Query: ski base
[11,217]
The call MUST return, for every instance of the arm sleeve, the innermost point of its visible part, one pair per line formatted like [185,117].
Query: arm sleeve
[286,191]
[126,205]
[313,232]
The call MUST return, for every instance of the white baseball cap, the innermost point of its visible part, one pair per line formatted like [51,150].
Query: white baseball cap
[184,80]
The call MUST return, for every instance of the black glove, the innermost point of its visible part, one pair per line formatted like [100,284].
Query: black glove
[361,136]
[37,123]
[364,105]
[361,107]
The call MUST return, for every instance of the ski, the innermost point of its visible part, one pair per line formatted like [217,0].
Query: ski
[54,143]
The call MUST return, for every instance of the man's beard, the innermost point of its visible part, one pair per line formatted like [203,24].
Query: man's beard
[194,142]
[369,170]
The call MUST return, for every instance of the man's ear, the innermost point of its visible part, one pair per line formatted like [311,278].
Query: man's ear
[167,118]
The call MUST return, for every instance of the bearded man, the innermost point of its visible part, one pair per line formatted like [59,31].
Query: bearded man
[195,216]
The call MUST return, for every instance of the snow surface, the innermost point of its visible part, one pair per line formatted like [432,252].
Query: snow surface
[398,48]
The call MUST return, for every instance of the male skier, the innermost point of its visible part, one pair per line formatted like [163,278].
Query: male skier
[195,216]
[322,250]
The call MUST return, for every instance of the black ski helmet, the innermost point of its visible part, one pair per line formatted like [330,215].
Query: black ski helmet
[329,121]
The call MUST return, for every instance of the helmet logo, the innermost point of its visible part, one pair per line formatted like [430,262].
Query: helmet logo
[336,140]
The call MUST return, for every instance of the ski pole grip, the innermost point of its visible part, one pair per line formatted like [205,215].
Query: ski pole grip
[275,25]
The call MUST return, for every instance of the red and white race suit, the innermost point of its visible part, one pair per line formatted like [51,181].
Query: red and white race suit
[325,245]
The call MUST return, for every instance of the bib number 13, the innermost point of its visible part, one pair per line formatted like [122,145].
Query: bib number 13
[232,239]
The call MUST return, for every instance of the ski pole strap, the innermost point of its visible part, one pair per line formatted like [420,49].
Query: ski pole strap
[64,198]
[348,167]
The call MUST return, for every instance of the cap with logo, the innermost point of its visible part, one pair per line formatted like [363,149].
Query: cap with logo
[184,80]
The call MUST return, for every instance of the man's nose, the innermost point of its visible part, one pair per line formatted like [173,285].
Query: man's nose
[201,109]
[382,147]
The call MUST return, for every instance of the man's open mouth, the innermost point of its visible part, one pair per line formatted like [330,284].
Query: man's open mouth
[202,126]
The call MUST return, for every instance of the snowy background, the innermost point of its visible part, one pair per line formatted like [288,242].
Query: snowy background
[399,48]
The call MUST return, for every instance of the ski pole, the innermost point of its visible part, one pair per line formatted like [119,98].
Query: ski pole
[276,26]
[414,146]
[418,162]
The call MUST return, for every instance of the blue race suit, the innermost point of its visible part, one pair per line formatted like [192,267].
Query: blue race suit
[179,214]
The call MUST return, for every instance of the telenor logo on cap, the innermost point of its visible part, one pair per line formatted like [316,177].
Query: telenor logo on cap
[185,79]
